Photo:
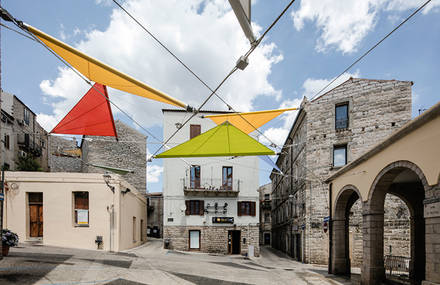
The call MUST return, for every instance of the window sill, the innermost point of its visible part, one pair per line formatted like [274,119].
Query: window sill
[336,167]
[81,226]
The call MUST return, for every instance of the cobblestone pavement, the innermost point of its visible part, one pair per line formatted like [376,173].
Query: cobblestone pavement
[151,264]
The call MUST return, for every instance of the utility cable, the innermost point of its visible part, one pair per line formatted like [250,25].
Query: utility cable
[372,48]
[254,46]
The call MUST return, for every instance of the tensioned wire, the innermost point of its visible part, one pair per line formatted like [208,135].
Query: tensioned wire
[214,92]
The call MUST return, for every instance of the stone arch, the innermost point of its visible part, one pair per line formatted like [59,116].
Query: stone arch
[407,181]
[340,262]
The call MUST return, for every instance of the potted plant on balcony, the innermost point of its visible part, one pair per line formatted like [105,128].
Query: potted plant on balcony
[8,239]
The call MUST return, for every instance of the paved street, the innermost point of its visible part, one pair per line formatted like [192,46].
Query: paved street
[150,264]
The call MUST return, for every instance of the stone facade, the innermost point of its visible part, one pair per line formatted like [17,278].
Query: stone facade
[376,108]
[155,214]
[265,213]
[130,152]
[60,160]
[21,134]
[213,239]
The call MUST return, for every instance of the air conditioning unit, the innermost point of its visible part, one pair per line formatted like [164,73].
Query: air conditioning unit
[22,153]
[20,121]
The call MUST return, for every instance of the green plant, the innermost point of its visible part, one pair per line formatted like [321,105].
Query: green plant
[9,238]
[28,163]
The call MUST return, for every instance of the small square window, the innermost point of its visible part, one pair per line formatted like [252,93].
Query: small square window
[194,130]
[341,116]
[339,156]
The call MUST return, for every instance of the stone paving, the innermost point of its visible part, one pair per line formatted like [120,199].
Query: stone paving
[151,264]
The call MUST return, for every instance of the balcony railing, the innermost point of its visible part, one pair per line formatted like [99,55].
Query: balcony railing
[211,186]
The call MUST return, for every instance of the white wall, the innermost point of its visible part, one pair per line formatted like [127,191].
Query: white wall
[245,169]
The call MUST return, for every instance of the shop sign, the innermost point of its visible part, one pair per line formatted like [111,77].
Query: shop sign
[325,227]
[222,220]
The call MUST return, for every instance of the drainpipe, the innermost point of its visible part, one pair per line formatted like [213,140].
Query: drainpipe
[330,230]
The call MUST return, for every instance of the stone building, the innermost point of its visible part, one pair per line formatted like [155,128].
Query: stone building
[265,213]
[406,165]
[155,214]
[128,152]
[329,131]
[21,135]
[210,203]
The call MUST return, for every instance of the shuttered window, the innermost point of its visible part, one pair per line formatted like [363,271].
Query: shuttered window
[194,130]
[195,207]
[81,208]
[246,208]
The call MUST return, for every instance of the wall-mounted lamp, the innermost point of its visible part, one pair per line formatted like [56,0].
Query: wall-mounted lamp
[126,191]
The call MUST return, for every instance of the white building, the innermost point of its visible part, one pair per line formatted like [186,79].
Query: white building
[210,203]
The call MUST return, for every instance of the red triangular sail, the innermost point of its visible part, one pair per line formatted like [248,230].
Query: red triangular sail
[91,116]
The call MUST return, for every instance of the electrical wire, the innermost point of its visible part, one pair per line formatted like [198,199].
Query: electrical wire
[251,50]
[371,49]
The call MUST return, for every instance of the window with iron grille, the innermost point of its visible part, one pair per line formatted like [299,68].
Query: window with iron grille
[341,116]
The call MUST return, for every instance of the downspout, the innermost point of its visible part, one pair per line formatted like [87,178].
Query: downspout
[330,230]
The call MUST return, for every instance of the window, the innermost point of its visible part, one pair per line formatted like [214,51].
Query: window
[266,197]
[81,208]
[194,130]
[341,116]
[246,208]
[339,156]
[134,229]
[26,116]
[227,178]
[195,207]
[195,176]
[6,141]
[142,230]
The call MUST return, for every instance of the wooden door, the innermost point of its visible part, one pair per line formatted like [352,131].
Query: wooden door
[35,214]
[36,220]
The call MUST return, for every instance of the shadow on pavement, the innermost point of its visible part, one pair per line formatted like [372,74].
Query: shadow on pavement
[28,268]
[205,280]
[121,281]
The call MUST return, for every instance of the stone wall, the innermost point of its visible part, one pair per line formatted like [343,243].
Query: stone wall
[396,230]
[58,161]
[213,239]
[127,153]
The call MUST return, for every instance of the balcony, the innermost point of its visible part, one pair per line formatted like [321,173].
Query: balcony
[211,187]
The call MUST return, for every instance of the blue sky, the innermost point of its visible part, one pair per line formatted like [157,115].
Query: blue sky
[309,46]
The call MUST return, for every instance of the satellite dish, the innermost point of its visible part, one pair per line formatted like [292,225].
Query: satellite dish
[183,208]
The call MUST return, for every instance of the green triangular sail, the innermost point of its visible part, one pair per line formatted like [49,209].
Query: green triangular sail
[223,140]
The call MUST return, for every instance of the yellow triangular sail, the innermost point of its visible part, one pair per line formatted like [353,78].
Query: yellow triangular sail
[99,72]
[223,140]
[247,122]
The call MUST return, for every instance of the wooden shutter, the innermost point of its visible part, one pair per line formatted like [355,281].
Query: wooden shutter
[194,130]
[202,207]
[252,208]
[82,200]
[239,208]
[188,206]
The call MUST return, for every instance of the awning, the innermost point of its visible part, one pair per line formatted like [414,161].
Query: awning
[91,116]
[247,122]
[223,140]
[99,72]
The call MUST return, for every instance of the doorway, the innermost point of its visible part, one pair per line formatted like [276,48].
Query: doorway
[267,238]
[234,246]
[35,214]
[194,240]
[298,254]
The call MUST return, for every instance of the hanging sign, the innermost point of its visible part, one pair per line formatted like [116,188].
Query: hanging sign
[327,219]
[325,227]
[2,196]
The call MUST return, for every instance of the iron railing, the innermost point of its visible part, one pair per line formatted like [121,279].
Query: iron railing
[211,184]
[397,265]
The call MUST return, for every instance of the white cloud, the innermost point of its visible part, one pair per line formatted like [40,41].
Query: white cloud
[312,86]
[46,121]
[209,41]
[344,23]
[153,173]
